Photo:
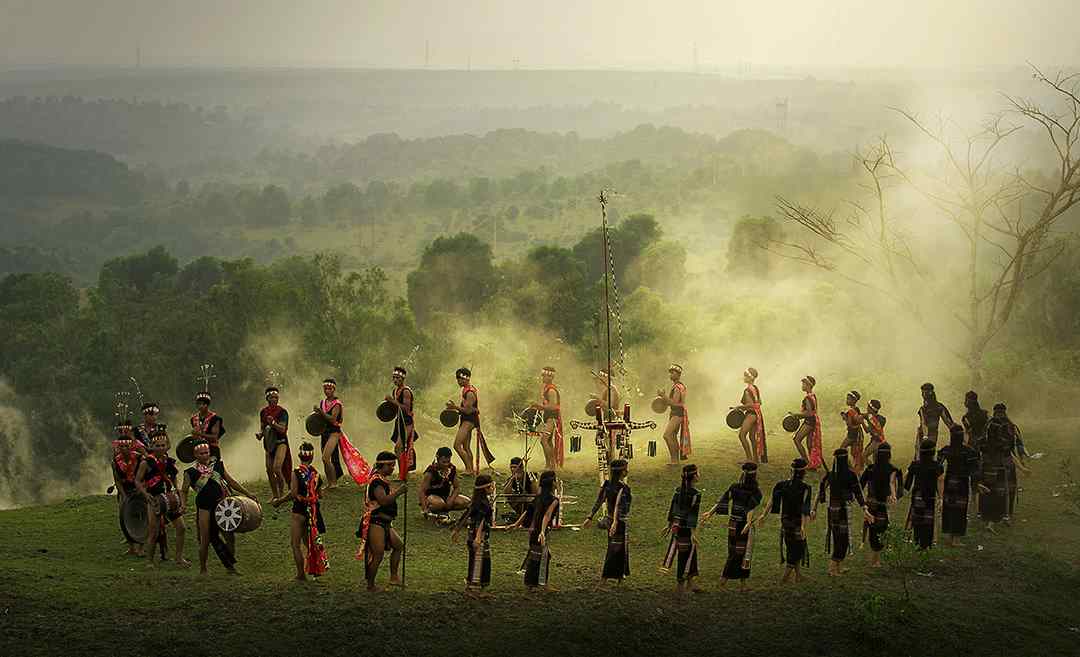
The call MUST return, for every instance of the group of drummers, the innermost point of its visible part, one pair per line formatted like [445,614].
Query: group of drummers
[982,459]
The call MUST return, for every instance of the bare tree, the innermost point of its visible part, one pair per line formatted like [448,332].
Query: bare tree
[1004,214]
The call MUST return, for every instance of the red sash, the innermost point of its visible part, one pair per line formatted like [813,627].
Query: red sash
[815,434]
[685,448]
[157,470]
[759,426]
[127,466]
[878,429]
[369,506]
[358,468]
[480,439]
[317,561]
[329,406]
[560,449]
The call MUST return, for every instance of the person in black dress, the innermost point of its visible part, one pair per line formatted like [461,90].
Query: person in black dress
[615,496]
[376,531]
[545,509]
[839,487]
[212,483]
[1015,463]
[961,468]
[997,474]
[480,519]
[155,478]
[738,503]
[925,484]
[682,522]
[883,483]
[791,499]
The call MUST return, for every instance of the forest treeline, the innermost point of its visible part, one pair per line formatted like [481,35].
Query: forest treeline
[69,211]
[145,132]
[152,318]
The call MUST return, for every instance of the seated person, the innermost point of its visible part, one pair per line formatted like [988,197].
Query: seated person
[521,488]
[439,488]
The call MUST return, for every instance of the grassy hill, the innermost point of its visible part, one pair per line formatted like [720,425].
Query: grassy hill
[66,587]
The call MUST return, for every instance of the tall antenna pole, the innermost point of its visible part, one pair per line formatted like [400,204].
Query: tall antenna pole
[607,284]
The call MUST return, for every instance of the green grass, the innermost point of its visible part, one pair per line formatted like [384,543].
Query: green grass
[68,589]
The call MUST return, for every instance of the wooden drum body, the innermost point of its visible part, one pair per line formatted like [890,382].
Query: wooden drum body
[238,514]
[168,503]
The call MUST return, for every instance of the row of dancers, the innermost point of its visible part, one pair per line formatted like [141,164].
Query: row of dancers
[945,479]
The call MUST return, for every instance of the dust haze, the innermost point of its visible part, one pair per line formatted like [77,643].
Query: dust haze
[203,99]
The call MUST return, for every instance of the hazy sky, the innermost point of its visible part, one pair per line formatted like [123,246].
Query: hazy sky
[541,33]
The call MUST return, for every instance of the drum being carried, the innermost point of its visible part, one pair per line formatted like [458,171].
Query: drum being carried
[791,423]
[135,519]
[316,424]
[168,503]
[386,411]
[735,418]
[185,451]
[238,514]
[449,418]
[659,404]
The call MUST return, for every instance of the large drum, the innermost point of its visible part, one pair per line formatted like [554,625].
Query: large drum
[168,503]
[449,418]
[238,514]
[735,418]
[659,405]
[185,451]
[533,418]
[316,424]
[135,519]
[386,411]
[791,423]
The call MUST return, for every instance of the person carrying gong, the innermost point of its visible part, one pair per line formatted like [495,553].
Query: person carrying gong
[332,411]
[274,422]
[404,424]
[807,438]
[469,420]
[677,431]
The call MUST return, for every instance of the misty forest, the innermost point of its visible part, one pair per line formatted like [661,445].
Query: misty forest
[872,229]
